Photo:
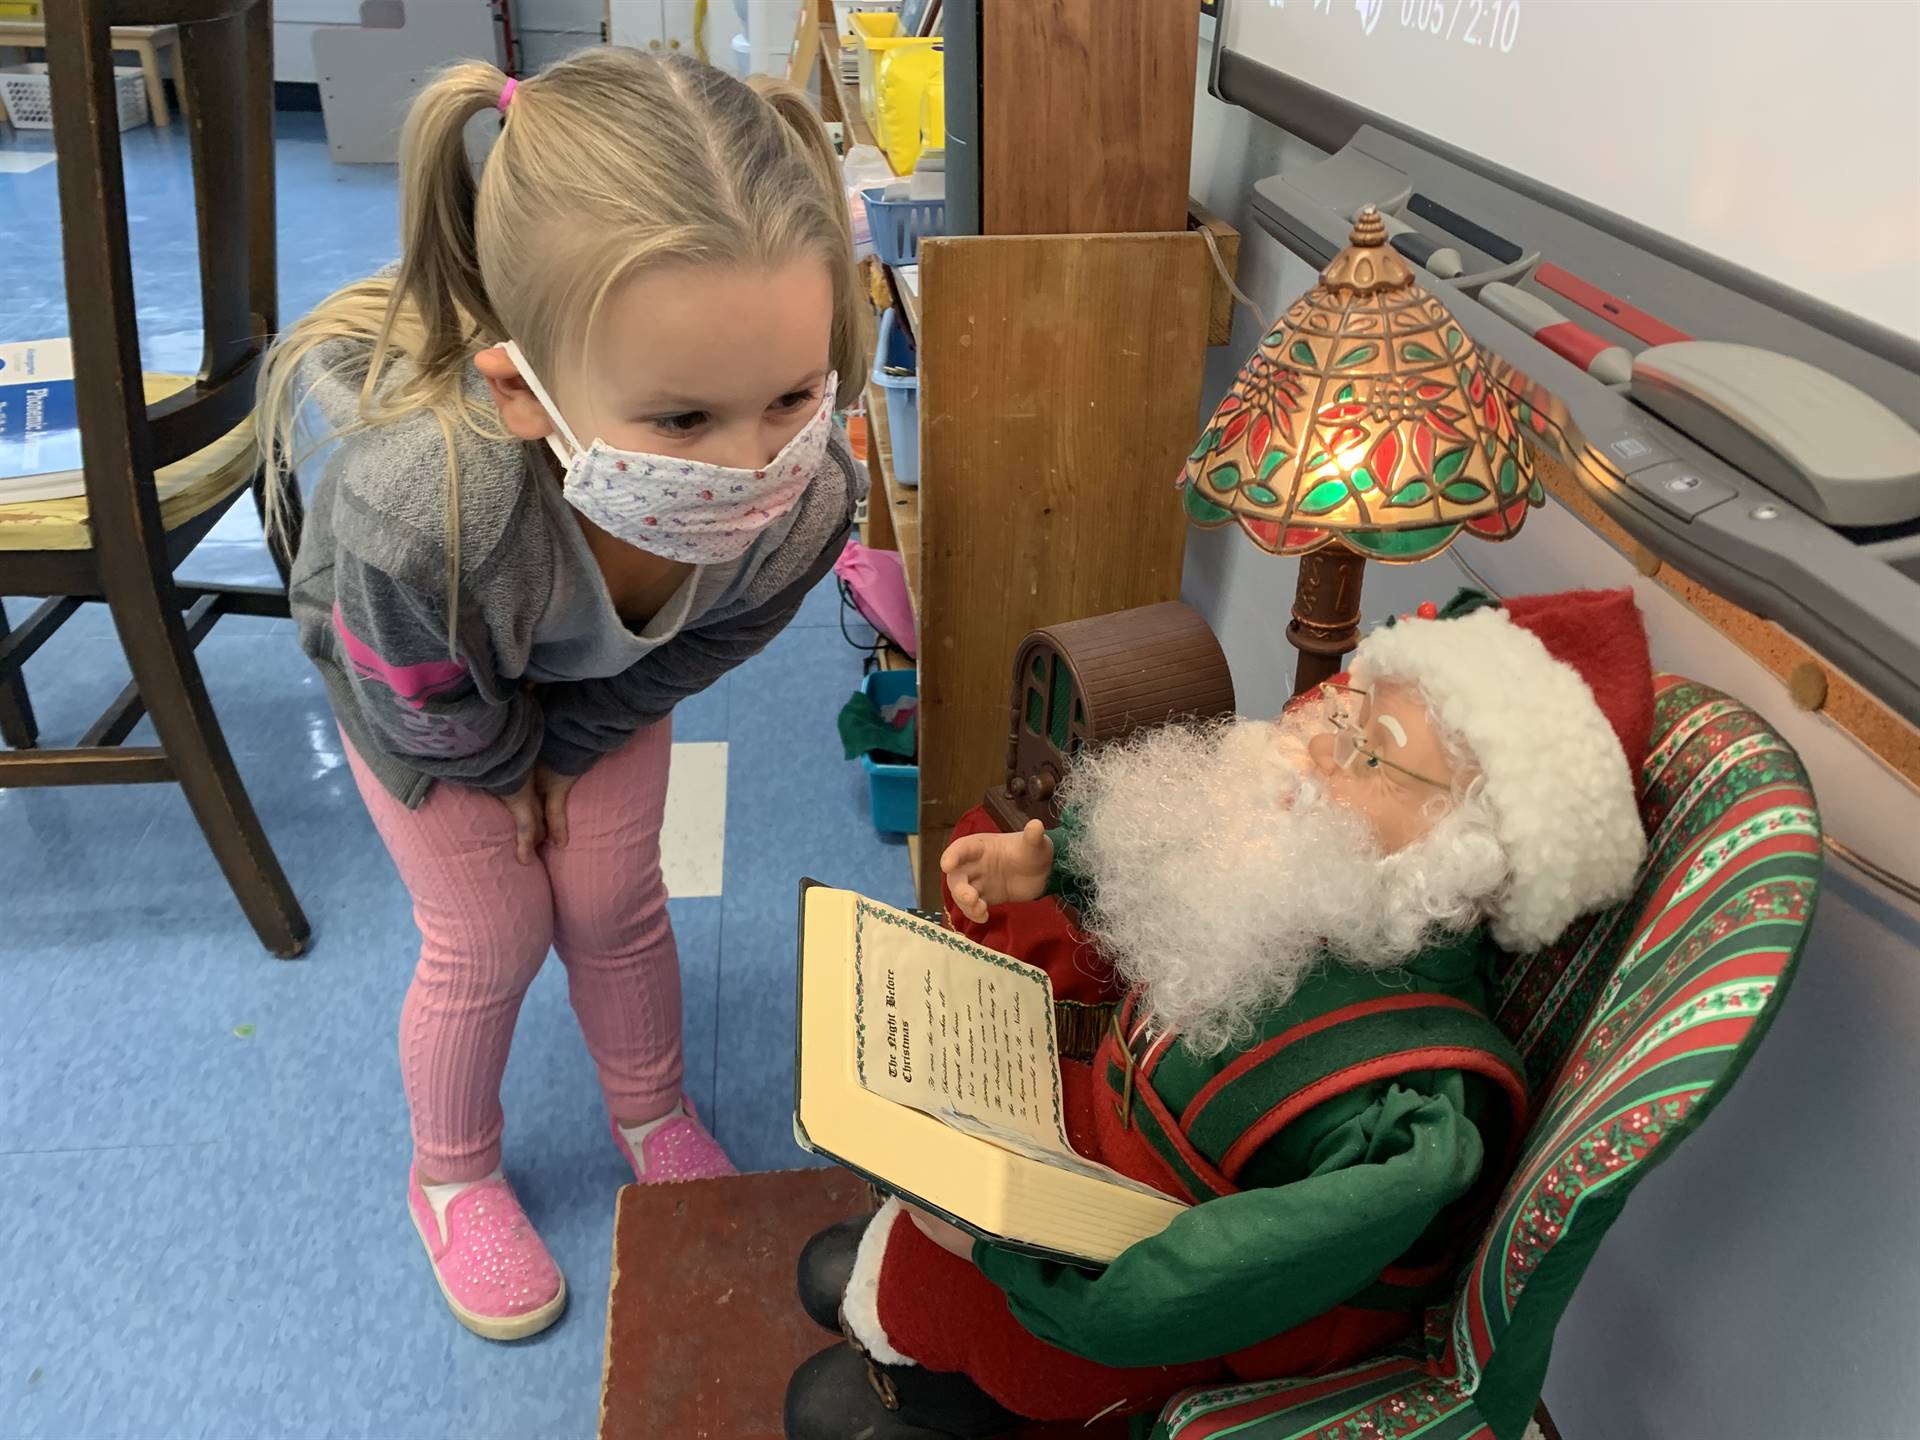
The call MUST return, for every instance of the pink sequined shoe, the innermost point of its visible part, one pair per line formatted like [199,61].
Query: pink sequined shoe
[677,1147]
[497,1276]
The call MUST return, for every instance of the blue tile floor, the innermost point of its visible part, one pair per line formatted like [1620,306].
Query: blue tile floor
[202,1149]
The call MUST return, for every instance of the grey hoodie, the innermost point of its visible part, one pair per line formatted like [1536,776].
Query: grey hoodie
[542,669]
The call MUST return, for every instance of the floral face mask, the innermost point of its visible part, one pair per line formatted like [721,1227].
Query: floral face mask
[690,511]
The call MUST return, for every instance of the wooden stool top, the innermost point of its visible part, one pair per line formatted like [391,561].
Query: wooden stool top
[704,1326]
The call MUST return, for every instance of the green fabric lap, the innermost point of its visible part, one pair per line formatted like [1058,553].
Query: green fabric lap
[1241,1269]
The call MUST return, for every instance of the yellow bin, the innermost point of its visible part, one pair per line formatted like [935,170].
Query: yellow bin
[870,25]
[906,78]
[933,115]
[872,48]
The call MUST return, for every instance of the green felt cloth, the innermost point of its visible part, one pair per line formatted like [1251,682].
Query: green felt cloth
[864,731]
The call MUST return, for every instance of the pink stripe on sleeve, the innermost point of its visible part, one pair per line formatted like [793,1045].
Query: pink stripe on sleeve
[413,684]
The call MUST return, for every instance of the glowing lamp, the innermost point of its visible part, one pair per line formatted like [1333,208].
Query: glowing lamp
[1365,427]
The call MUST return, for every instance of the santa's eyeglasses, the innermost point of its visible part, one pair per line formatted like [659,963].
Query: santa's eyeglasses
[1345,708]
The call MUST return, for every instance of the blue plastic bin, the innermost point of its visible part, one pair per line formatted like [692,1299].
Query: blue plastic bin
[897,226]
[893,791]
[903,397]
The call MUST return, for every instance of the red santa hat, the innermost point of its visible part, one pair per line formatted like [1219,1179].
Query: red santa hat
[1553,694]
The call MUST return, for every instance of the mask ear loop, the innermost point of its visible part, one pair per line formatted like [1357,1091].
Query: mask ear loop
[561,452]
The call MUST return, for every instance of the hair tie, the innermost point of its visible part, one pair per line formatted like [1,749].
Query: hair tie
[506,95]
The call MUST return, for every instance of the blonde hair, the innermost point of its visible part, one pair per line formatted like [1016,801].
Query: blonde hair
[607,162]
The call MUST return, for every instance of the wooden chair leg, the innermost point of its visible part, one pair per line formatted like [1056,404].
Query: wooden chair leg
[169,679]
[18,729]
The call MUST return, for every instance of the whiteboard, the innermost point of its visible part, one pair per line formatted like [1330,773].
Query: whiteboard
[1782,135]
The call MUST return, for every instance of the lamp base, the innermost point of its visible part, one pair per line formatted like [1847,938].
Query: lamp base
[1326,614]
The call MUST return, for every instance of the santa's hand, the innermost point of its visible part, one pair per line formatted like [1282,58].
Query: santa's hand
[987,870]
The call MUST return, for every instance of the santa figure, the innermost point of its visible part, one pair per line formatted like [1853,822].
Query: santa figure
[1283,937]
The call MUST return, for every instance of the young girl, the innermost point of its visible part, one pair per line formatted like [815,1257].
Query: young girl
[576,460]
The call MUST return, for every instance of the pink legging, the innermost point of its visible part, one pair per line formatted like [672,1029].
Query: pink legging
[486,924]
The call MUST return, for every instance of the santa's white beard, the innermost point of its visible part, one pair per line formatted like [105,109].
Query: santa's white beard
[1221,874]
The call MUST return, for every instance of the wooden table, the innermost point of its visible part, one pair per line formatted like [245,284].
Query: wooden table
[144,41]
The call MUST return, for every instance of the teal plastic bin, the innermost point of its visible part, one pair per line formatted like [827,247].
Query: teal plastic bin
[893,791]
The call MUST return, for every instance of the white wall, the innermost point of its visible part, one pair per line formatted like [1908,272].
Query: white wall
[1765,1283]
[294,22]
[550,30]
[293,26]
[547,30]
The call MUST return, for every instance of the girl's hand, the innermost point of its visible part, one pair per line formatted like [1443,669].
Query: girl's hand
[553,788]
[539,810]
[987,870]
[529,819]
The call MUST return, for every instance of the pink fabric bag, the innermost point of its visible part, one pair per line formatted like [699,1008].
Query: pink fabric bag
[877,583]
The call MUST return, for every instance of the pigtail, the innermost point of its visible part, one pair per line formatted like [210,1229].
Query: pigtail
[433,309]
[439,278]
[438,287]
[851,342]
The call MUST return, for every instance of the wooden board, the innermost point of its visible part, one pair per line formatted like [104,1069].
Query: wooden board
[1227,240]
[805,54]
[703,1323]
[844,104]
[826,57]
[1086,115]
[1060,392]
[1814,682]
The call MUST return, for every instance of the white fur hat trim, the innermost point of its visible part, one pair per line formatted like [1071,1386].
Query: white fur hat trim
[1556,776]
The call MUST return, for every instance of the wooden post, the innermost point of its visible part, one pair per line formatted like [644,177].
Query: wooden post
[1086,115]
[1060,391]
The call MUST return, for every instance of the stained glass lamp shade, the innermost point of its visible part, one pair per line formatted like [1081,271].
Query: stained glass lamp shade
[1364,427]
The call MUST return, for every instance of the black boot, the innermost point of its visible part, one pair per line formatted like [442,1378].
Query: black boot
[825,1267]
[841,1395]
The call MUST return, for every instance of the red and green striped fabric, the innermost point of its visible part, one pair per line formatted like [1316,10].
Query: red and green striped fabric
[1631,1028]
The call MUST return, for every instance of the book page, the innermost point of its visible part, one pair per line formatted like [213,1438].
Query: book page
[956,1031]
[1070,1160]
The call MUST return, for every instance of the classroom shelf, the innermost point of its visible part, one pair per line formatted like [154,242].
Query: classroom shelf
[909,299]
[1060,358]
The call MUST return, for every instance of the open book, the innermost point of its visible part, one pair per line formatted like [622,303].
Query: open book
[929,1064]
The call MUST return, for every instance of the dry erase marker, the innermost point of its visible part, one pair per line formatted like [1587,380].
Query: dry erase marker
[1476,235]
[1650,329]
[1440,260]
[1609,364]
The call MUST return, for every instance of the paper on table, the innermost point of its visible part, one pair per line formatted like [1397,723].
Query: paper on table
[956,1031]
[909,276]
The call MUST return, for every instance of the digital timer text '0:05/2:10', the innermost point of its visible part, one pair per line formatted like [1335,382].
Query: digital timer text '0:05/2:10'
[1488,24]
